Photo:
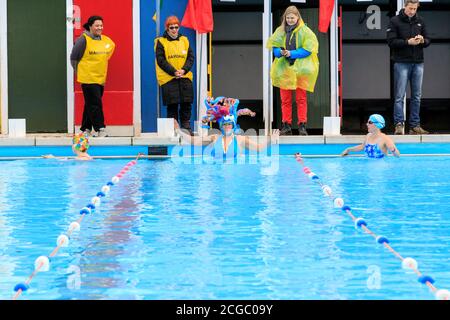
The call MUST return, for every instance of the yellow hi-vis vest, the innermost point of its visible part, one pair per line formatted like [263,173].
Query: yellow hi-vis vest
[93,67]
[176,54]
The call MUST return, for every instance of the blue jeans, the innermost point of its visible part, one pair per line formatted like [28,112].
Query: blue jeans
[402,73]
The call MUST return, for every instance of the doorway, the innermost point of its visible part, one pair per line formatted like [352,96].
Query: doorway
[237,57]
[319,100]
[37,64]
[118,95]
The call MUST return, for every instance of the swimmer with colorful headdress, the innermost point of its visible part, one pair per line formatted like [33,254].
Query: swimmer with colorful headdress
[229,143]
[220,107]
[80,146]
[376,144]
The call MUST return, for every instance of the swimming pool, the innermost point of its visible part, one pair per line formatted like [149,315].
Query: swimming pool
[174,229]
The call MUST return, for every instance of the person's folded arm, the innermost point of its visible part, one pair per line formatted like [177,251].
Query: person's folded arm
[189,61]
[277,52]
[393,39]
[162,61]
[300,53]
[426,38]
[77,52]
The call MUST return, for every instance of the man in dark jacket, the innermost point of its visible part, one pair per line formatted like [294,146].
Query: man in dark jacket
[407,36]
[174,61]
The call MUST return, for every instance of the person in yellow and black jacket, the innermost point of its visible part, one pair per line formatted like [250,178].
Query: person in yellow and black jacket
[174,61]
[89,58]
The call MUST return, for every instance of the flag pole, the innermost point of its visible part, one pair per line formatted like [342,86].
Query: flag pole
[267,59]
[210,64]
[199,84]
[158,19]
[202,81]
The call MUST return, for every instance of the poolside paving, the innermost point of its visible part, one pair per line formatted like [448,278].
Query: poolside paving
[152,139]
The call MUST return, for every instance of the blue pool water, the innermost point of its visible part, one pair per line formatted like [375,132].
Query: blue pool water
[173,229]
[282,149]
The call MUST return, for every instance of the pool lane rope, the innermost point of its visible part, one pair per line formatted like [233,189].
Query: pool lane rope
[407,263]
[42,263]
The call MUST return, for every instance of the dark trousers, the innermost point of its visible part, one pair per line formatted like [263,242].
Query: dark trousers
[185,114]
[93,107]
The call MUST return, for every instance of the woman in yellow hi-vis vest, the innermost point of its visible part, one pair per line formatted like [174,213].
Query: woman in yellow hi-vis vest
[295,68]
[174,60]
[89,58]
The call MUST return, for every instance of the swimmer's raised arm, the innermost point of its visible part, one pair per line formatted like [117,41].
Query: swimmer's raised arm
[248,143]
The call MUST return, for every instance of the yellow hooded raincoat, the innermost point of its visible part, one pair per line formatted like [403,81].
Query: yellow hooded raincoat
[303,73]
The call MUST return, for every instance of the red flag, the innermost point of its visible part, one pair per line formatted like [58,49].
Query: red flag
[325,12]
[198,16]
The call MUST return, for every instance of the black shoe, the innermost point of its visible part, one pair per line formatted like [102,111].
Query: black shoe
[286,129]
[186,125]
[302,129]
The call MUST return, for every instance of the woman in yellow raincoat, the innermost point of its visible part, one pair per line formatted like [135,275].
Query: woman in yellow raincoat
[296,66]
